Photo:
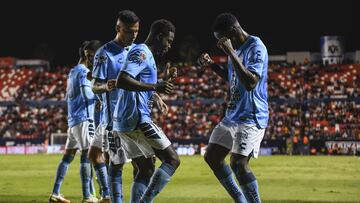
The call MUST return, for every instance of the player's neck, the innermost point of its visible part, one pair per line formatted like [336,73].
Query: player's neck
[118,41]
[243,38]
[149,44]
[82,61]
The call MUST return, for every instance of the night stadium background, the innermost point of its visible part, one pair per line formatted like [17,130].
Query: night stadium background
[310,152]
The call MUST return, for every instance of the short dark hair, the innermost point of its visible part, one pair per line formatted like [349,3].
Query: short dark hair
[162,26]
[128,17]
[92,45]
[224,22]
[81,49]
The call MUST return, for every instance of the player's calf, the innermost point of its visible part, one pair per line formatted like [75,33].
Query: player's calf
[246,178]
[214,157]
[115,177]
[95,155]
[162,175]
[145,167]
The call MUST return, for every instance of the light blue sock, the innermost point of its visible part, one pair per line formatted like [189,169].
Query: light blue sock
[227,180]
[115,177]
[158,181]
[92,186]
[61,172]
[138,188]
[102,176]
[85,174]
[249,187]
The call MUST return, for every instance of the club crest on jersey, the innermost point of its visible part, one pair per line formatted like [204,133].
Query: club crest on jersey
[100,59]
[137,57]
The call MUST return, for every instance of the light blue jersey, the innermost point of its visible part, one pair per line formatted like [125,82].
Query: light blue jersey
[249,106]
[80,106]
[108,61]
[135,107]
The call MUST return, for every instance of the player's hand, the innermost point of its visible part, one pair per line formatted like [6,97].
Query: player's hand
[225,45]
[170,73]
[164,87]
[110,85]
[205,60]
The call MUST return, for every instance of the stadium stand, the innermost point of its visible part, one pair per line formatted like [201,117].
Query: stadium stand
[312,100]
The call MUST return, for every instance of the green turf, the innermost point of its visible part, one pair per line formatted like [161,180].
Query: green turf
[29,178]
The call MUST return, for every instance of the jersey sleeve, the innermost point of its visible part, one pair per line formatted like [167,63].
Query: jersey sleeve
[100,66]
[87,93]
[136,61]
[83,80]
[255,59]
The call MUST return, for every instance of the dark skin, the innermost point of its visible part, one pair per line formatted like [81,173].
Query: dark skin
[159,45]
[234,37]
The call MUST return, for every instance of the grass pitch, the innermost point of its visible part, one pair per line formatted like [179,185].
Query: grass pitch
[283,179]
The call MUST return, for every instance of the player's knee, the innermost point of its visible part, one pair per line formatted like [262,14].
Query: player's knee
[148,172]
[95,155]
[172,158]
[70,152]
[207,158]
[68,158]
[145,172]
[174,161]
[210,160]
[239,166]
[84,152]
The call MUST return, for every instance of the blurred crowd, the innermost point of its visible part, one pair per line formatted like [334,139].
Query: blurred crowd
[31,122]
[307,101]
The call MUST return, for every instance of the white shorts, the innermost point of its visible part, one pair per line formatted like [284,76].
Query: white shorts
[133,144]
[142,142]
[101,139]
[241,139]
[154,136]
[80,136]
[116,149]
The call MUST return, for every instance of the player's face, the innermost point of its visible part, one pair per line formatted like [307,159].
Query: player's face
[128,32]
[232,33]
[165,43]
[89,55]
[228,34]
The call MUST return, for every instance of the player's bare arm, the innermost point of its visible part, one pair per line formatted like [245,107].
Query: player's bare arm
[126,82]
[163,107]
[205,60]
[99,87]
[247,78]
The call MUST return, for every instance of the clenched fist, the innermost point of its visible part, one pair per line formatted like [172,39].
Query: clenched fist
[205,60]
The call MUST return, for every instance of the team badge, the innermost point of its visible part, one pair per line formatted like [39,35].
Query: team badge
[137,57]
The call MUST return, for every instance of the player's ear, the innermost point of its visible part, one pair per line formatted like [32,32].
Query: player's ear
[117,28]
[159,37]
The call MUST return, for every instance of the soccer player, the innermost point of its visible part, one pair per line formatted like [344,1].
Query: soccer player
[109,60]
[97,115]
[246,118]
[138,79]
[80,101]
